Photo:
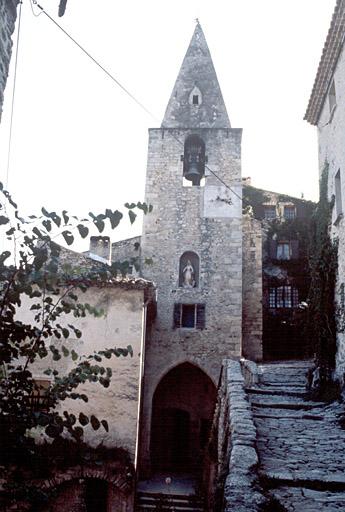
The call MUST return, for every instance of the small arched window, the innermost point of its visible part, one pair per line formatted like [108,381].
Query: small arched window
[195,97]
[194,160]
[189,270]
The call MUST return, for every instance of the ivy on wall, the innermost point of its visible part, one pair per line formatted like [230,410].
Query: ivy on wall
[321,324]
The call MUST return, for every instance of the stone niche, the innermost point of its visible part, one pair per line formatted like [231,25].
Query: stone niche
[189,270]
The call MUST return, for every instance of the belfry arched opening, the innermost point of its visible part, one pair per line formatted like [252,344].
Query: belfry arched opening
[182,411]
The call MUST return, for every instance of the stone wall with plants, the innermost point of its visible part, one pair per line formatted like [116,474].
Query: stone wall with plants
[236,485]
[322,312]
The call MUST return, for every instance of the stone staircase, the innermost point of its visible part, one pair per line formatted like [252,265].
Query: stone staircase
[149,501]
[300,443]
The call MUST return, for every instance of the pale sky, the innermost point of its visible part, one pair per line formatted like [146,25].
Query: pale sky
[79,143]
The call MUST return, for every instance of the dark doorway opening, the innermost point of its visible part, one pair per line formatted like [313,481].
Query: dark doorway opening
[171,446]
[182,412]
[96,495]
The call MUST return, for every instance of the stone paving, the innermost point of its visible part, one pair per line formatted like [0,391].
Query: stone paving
[300,443]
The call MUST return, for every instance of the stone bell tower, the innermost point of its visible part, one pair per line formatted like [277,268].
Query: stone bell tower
[194,238]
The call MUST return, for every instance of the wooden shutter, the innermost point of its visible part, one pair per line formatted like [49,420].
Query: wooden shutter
[273,249]
[294,249]
[177,315]
[200,316]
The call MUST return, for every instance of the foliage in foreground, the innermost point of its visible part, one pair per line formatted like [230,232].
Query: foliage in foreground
[32,270]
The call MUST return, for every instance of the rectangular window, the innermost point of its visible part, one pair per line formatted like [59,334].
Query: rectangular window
[270,212]
[289,212]
[195,99]
[189,316]
[283,251]
[338,197]
[283,297]
[332,98]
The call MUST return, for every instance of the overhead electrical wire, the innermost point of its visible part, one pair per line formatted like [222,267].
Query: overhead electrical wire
[119,84]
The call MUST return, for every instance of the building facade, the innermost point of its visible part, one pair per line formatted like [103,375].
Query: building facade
[326,111]
[229,276]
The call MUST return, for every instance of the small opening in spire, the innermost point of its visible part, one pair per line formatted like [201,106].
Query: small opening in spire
[195,96]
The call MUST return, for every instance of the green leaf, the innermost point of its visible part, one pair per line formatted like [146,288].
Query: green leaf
[130,206]
[69,238]
[4,256]
[65,333]
[132,216]
[114,217]
[4,220]
[142,206]
[83,230]
[37,232]
[105,425]
[99,223]
[47,224]
[65,351]
[94,422]
[83,419]
[74,355]
[78,432]
[56,355]
[104,381]
[65,216]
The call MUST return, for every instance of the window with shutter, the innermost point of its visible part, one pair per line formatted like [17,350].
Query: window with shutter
[200,316]
[270,212]
[177,315]
[189,316]
[289,212]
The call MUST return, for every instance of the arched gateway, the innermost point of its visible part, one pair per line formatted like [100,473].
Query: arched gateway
[182,411]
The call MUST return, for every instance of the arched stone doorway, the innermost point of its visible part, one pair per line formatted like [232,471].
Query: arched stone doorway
[182,412]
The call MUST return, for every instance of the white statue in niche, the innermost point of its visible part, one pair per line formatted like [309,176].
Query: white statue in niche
[188,275]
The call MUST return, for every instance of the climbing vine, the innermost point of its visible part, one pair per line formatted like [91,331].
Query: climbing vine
[321,324]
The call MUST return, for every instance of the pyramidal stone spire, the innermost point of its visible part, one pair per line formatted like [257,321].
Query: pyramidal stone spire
[196,100]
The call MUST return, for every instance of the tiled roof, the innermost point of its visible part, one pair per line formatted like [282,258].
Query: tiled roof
[330,54]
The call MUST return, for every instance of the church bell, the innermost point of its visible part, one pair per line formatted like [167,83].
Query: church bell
[193,174]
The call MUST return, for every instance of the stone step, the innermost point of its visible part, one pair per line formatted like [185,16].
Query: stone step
[277,415]
[284,403]
[309,500]
[162,501]
[299,380]
[313,479]
[283,385]
[273,391]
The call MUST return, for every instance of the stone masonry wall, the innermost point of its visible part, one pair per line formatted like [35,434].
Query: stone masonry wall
[252,289]
[128,250]
[237,453]
[8,15]
[331,129]
[189,219]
